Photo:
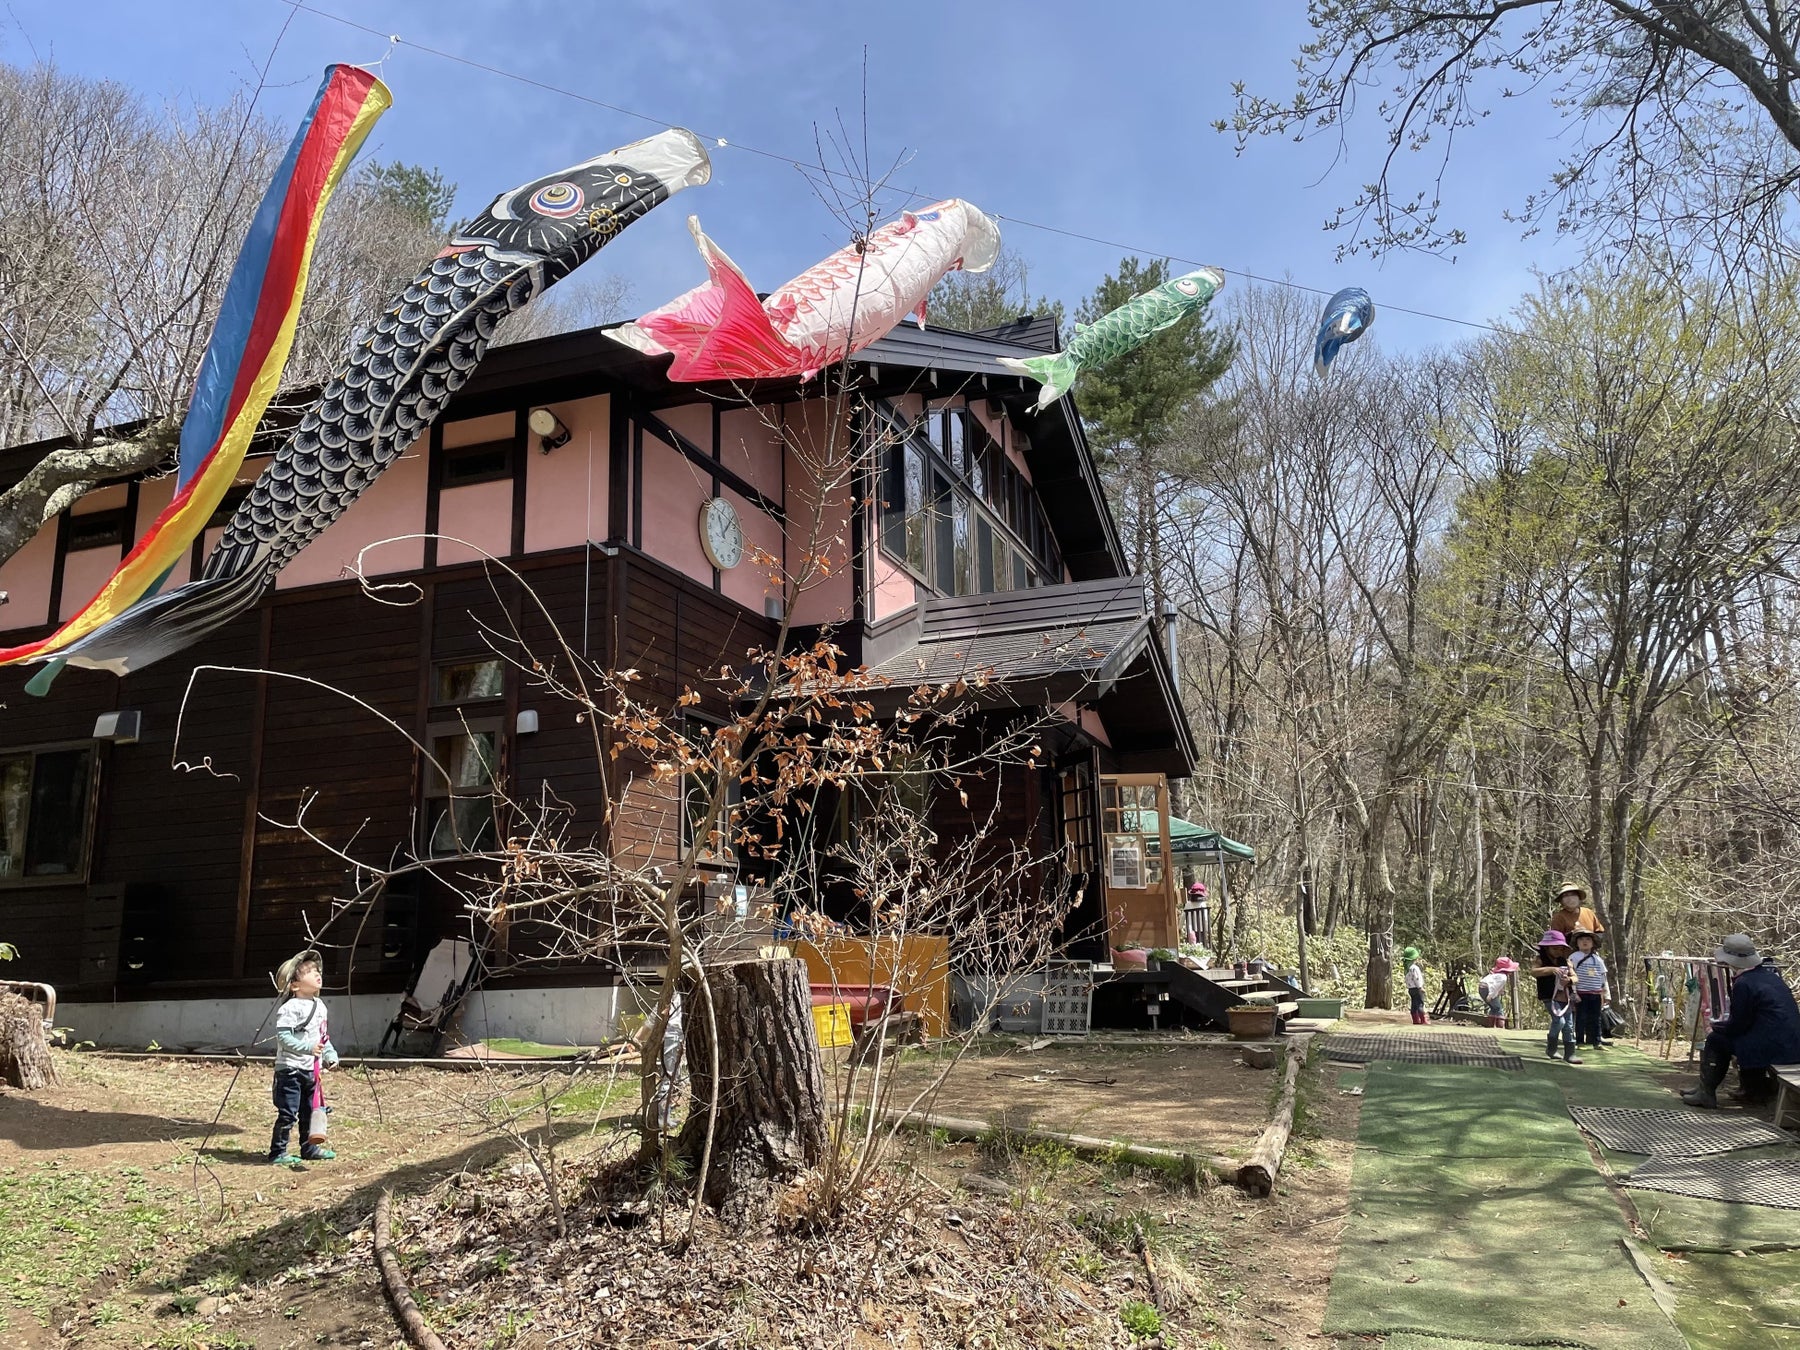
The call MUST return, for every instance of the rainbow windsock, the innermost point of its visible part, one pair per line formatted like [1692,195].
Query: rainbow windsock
[250,343]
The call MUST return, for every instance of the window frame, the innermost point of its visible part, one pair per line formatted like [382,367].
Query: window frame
[79,875]
[990,487]
[448,479]
[436,786]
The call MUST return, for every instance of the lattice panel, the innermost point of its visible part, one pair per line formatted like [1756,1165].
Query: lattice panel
[1404,1048]
[1675,1134]
[1747,1181]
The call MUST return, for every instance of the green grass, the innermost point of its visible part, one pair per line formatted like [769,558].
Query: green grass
[67,1230]
[1726,1302]
[506,1045]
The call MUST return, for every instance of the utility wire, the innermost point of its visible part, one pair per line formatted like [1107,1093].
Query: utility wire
[810,168]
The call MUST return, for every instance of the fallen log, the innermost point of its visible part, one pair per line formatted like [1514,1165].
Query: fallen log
[1257,1174]
[1189,1166]
[418,1334]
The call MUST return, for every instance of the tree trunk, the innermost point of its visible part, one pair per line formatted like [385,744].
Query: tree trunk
[24,1055]
[771,1090]
[1378,888]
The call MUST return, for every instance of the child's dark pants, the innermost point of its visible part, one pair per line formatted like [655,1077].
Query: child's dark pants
[293,1106]
[1587,1018]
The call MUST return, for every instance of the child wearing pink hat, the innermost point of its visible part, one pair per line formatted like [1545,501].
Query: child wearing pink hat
[1493,989]
[1552,971]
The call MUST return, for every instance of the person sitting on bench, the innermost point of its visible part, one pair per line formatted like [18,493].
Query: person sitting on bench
[1763,1028]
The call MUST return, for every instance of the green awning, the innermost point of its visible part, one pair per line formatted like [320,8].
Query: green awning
[1191,843]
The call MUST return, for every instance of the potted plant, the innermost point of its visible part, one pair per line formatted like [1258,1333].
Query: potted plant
[1251,1021]
[1153,962]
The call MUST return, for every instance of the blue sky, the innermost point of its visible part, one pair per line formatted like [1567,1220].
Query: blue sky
[1094,118]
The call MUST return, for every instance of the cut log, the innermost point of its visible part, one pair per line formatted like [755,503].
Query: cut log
[24,1054]
[1257,1174]
[771,1114]
[1190,1166]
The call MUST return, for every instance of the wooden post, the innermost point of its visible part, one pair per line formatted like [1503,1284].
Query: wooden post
[1300,908]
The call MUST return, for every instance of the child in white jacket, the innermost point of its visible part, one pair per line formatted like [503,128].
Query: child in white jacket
[302,1048]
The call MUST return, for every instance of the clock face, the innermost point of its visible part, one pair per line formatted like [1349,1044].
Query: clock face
[721,537]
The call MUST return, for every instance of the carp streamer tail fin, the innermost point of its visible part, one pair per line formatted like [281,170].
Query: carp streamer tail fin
[1056,373]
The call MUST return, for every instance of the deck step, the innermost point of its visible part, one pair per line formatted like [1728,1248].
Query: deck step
[1286,1009]
[1262,996]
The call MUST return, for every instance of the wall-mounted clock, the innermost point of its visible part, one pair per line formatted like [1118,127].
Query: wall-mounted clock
[721,536]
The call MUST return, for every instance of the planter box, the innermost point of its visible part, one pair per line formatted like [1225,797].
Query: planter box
[1331,1008]
[1252,1022]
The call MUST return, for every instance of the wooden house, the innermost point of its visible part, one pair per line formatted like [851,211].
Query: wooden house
[166,838]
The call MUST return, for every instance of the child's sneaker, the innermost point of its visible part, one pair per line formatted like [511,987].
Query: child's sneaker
[1571,1059]
[285,1160]
[318,1155]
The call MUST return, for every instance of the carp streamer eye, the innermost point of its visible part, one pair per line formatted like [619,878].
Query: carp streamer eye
[557,200]
[622,179]
[1187,287]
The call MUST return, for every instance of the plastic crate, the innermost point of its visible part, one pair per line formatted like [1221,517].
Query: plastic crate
[1068,999]
[831,1021]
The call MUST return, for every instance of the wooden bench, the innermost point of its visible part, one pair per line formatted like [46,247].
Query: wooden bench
[1788,1075]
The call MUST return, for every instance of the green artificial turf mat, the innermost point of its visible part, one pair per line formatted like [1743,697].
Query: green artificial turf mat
[1462,1111]
[1729,1302]
[1475,1210]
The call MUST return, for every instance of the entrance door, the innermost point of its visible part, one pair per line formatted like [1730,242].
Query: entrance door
[1134,834]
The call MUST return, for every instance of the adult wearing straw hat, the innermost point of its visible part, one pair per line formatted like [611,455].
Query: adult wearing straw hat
[1762,1029]
[1572,911]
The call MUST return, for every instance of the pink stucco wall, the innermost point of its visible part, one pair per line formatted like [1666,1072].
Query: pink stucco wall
[893,589]
[475,430]
[751,582]
[674,488]
[475,522]
[692,420]
[26,580]
[393,506]
[750,444]
[566,491]
[816,429]
[84,573]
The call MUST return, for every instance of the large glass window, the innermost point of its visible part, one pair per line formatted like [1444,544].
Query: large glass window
[459,802]
[45,796]
[953,508]
[1133,831]
[465,738]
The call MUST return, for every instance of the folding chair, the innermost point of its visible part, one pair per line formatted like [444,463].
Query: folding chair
[432,1004]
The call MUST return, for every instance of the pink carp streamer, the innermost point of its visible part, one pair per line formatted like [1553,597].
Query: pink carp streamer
[721,331]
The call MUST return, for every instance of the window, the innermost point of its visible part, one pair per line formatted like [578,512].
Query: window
[459,802]
[955,511]
[98,529]
[1076,785]
[45,799]
[484,463]
[459,814]
[1129,820]
[469,682]
[697,788]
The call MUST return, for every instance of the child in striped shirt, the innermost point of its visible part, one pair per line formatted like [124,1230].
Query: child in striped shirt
[1587,973]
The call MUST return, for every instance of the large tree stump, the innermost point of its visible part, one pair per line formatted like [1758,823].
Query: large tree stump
[24,1054]
[771,1115]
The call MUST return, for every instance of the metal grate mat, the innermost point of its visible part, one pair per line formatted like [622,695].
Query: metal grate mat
[1674,1134]
[1746,1181]
[1401,1048]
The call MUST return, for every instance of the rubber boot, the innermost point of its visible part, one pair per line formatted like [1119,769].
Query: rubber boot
[1713,1068]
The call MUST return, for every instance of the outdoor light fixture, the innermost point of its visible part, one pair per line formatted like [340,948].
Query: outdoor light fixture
[551,433]
[119,727]
[527,722]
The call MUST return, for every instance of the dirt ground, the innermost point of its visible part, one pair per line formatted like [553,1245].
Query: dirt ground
[1194,1096]
[114,1240]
